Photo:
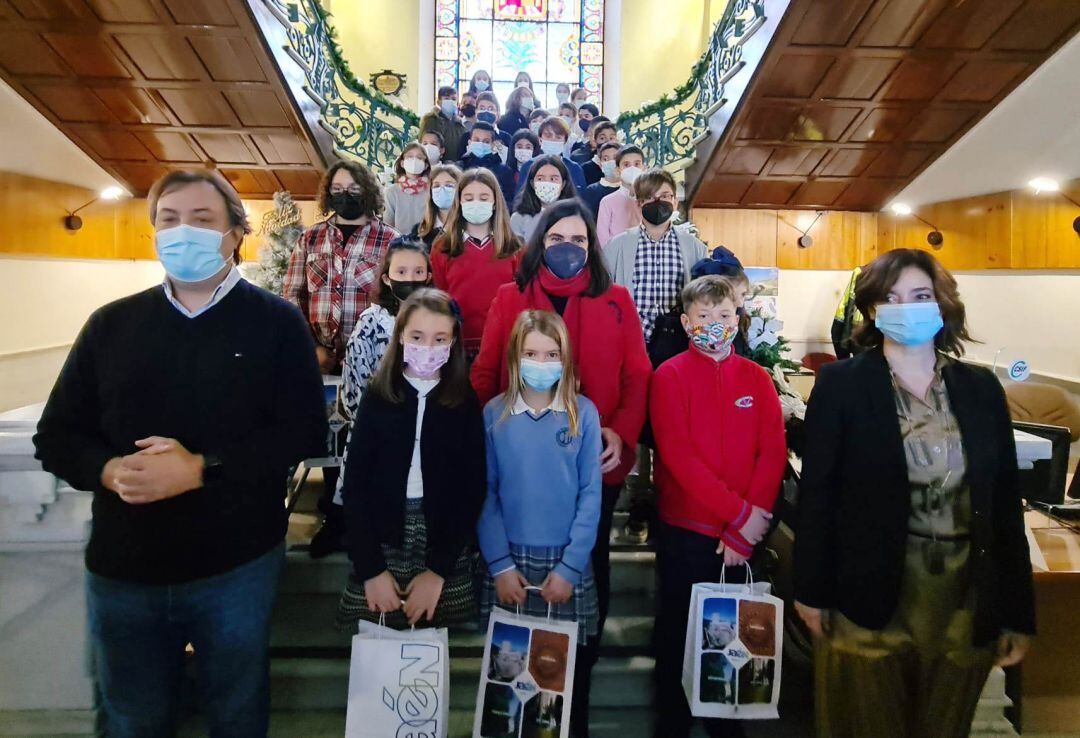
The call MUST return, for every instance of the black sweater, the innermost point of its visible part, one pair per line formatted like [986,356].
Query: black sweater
[855,498]
[452,460]
[239,382]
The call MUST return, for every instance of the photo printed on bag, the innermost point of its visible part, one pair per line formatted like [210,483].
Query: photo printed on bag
[543,716]
[547,659]
[501,715]
[719,623]
[717,679]
[509,652]
[756,682]
[757,627]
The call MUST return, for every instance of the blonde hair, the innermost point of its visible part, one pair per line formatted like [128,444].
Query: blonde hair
[453,238]
[431,210]
[566,391]
[650,182]
[711,289]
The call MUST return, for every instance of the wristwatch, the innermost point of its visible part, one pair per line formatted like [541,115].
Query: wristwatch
[213,469]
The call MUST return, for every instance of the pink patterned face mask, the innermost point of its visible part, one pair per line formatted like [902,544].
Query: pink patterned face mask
[426,361]
[712,338]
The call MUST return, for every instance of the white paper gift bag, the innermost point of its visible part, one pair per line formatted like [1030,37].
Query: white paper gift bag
[732,658]
[398,684]
[527,678]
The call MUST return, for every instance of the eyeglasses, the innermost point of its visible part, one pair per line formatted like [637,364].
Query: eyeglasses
[352,190]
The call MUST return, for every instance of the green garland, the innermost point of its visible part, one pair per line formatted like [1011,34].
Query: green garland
[350,80]
[681,93]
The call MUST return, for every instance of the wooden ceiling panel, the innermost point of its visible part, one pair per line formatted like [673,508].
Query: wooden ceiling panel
[199,107]
[804,74]
[200,12]
[300,182]
[983,81]
[257,108]
[228,59]
[280,148]
[226,148]
[830,23]
[161,57]
[168,147]
[25,53]
[132,105]
[970,24]
[848,100]
[145,85]
[1047,23]
[88,56]
[857,78]
[73,104]
[795,162]
[124,11]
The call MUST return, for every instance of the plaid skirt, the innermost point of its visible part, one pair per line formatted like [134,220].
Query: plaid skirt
[457,604]
[536,562]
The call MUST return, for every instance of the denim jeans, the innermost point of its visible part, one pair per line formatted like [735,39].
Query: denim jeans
[138,633]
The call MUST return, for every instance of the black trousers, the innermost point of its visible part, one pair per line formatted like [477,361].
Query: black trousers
[601,555]
[579,710]
[683,558]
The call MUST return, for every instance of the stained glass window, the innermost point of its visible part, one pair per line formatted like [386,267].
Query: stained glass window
[554,41]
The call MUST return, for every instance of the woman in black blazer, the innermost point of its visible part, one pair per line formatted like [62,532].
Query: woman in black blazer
[911,563]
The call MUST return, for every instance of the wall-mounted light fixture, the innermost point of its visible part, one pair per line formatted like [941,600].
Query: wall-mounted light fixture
[73,222]
[805,241]
[934,237]
[1045,184]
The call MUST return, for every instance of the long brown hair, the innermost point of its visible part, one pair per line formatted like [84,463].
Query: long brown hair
[389,382]
[875,281]
[431,210]
[453,238]
[566,391]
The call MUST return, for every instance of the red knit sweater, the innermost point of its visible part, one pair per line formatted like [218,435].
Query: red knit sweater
[472,279]
[720,443]
[609,352]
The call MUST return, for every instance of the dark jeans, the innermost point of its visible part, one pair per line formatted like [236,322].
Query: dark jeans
[683,558]
[138,633]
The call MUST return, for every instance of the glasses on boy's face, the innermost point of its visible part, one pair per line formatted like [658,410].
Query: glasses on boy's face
[666,197]
[351,189]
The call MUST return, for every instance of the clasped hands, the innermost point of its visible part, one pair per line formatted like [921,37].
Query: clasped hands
[419,599]
[162,468]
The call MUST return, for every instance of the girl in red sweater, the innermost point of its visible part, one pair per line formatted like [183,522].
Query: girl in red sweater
[477,252]
[720,456]
[562,271]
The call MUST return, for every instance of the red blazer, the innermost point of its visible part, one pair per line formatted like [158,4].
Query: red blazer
[609,353]
[720,443]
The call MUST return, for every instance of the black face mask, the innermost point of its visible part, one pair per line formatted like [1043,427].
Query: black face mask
[402,289]
[468,111]
[657,212]
[346,205]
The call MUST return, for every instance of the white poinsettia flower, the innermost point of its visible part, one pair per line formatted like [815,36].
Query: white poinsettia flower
[764,330]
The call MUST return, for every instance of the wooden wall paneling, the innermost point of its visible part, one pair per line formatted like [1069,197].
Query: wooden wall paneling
[1042,232]
[840,239]
[976,230]
[751,234]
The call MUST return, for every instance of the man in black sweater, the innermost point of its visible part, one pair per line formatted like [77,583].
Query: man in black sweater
[182,408]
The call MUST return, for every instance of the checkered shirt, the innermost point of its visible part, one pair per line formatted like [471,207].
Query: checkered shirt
[658,277]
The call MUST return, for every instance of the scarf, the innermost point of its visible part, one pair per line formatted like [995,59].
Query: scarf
[416,187]
[546,284]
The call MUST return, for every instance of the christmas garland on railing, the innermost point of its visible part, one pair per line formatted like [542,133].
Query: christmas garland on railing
[349,79]
[681,93]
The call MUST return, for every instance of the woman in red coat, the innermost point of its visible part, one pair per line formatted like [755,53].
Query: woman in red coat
[563,271]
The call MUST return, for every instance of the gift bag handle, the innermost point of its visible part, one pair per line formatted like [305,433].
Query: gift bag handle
[534,588]
[382,622]
[749,576]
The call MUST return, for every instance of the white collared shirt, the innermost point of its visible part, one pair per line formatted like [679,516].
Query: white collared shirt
[231,280]
[521,406]
[414,487]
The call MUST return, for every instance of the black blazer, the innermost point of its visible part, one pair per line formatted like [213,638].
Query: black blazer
[854,498]
[454,465]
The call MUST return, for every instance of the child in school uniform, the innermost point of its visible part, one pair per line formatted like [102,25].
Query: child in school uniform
[539,520]
[415,476]
[720,457]
[477,253]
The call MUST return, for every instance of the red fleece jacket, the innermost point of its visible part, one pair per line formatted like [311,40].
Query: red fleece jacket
[609,352]
[720,443]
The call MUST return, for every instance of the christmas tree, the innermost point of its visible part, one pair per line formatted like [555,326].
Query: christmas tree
[281,228]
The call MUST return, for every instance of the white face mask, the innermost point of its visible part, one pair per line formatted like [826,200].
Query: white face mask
[523,155]
[562,97]
[629,175]
[432,152]
[551,148]
[535,127]
[413,166]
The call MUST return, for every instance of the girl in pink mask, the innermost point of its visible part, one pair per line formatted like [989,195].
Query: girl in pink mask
[415,476]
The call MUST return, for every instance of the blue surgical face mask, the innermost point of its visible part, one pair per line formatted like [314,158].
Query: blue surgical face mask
[448,108]
[190,254]
[541,375]
[477,211]
[551,147]
[910,323]
[482,85]
[486,116]
[565,260]
[443,196]
[480,149]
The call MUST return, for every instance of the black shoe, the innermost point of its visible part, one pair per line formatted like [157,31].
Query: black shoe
[636,531]
[330,538]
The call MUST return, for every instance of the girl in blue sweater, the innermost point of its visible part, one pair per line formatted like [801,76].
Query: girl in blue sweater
[538,525]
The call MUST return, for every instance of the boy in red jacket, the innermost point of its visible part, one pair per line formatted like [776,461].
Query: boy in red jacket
[720,458]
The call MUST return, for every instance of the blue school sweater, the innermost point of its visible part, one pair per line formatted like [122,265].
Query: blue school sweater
[543,486]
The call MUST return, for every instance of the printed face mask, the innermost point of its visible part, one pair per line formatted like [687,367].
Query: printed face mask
[909,324]
[426,361]
[523,155]
[546,191]
[712,338]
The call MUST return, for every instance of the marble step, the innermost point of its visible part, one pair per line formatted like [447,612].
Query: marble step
[322,684]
